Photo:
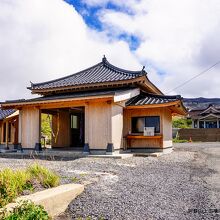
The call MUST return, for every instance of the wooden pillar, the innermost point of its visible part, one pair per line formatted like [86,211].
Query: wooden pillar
[20,127]
[6,140]
[30,127]
[217,123]
[204,124]
[87,123]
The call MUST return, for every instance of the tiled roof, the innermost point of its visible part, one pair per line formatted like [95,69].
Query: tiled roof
[150,99]
[6,113]
[100,73]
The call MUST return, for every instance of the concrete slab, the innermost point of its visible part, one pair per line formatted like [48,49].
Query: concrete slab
[147,154]
[114,156]
[54,200]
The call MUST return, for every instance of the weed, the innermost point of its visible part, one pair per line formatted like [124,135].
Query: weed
[12,183]
[46,177]
[25,211]
[75,179]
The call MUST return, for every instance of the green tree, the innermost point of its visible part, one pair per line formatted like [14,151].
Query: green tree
[181,122]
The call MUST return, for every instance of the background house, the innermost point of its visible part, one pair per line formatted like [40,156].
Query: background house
[205,116]
[8,128]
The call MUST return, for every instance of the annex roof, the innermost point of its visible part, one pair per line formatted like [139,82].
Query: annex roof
[146,100]
[149,99]
[5,113]
[102,73]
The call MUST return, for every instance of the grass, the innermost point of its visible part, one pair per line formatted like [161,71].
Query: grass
[25,211]
[14,182]
[75,179]
[46,177]
[175,140]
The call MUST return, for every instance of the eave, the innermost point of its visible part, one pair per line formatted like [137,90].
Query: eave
[176,107]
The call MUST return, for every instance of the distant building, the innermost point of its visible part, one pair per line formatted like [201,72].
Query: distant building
[205,117]
[8,127]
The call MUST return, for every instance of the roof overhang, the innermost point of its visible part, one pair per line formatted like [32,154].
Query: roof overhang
[176,107]
[143,82]
[209,116]
[17,105]
[115,96]
[15,114]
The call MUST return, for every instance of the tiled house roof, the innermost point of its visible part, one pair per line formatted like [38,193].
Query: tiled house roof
[5,113]
[150,99]
[102,72]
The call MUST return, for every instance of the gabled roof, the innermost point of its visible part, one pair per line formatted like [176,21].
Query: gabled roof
[100,74]
[5,113]
[210,109]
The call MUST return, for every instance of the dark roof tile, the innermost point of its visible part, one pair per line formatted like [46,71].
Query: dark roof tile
[99,73]
[150,99]
[5,113]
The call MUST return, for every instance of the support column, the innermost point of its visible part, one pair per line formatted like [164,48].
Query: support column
[6,140]
[204,124]
[30,121]
[20,127]
[217,123]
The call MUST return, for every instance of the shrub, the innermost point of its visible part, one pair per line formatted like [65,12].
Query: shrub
[46,177]
[25,211]
[181,122]
[12,183]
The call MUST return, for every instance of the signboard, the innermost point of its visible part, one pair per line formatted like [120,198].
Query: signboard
[148,131]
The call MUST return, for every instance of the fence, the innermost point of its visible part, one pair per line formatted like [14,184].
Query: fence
[203,134]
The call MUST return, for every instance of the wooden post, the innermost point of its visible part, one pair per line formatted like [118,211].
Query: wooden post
[6,141]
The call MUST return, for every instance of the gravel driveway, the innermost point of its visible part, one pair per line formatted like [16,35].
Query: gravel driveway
[182,185]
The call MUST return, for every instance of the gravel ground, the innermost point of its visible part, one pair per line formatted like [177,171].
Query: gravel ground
[168,187]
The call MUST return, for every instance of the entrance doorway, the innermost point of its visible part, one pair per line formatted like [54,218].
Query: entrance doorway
[77,127]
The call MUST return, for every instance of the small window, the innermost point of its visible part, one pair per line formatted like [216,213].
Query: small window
[201,124]
[153,121]
[74,122]
[138,123]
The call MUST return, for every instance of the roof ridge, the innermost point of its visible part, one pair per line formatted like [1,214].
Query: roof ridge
[164,96]
[120,70]
[62,78]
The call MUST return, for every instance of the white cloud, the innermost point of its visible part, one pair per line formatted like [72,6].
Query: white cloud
[45,39]
[179,37]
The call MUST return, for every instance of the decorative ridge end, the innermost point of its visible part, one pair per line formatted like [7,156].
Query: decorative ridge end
[104,59]
[143,70]
[31,84]
[179,97]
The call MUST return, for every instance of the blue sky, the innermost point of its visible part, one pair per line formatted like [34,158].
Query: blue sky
[90,15]
[43,40]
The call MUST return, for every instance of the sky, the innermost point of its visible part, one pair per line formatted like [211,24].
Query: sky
[42,40]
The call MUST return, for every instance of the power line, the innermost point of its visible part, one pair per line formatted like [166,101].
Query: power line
[196,76]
